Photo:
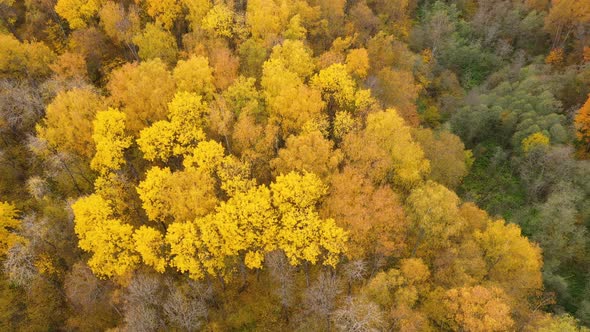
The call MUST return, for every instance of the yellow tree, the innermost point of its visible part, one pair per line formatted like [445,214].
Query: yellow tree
[194,75]
[511,260]
[478,308]
[197,9]
[119,24]
[23,59]
[77,12]
[302,234]
[67,125]
[295,56]
[186,248]
[180,134]
[357,62]
[386,151]
[142,92]
[435,214]
[165,12]
[448,158]
[177,196]
[309,152]
[374,216]
[291,103]
[246,226]
[111,141]
[337,87]
[582,124]
[149,243]
[219,21]
[108,239]
[155,42]
[266,19]
[9,225]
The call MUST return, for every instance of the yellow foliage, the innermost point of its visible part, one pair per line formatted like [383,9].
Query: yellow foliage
[164,11]
[155,42]
[386,151]
[555,57]
[291,103]
[9,224]
[219,21]
[149,243]
[302,234]
[44,264]
[478,309]
[181,196]
[185,248]
[512,261]
[142,91]
[77,12]
[309,152]
[582,124]
[68,120]
[357,62]
[110,139]
[108,239]
[295,56]
[335,82]
[534,140]
[27,59]
[435,211]
[157,141]
[194,75]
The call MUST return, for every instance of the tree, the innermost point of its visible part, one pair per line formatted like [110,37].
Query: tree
[107,238]
[337,87]
[155,42]
[67,125]
[194,75]
[478,309]
[449,161]
[511,260]
[291,103]
[564,16]
[373,215]
[176,196]
[397,89]
[582,124]
[309,152]
[110,139]
[149,243]
[77,12]
[357,62]
[225,66]
[180,134]
[386,151]
[9,224]
[142,92]
[165,12]
[435,213]
[119,24]
[295,56]
[219,21]
[303,235]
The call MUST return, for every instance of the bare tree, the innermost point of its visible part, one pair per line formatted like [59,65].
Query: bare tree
[320,298]
[354,271]
[282,274]
[142,309]
[20,265]
[358,316]
[186,307]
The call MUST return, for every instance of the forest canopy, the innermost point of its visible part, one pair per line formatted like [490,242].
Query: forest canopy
[294,165]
